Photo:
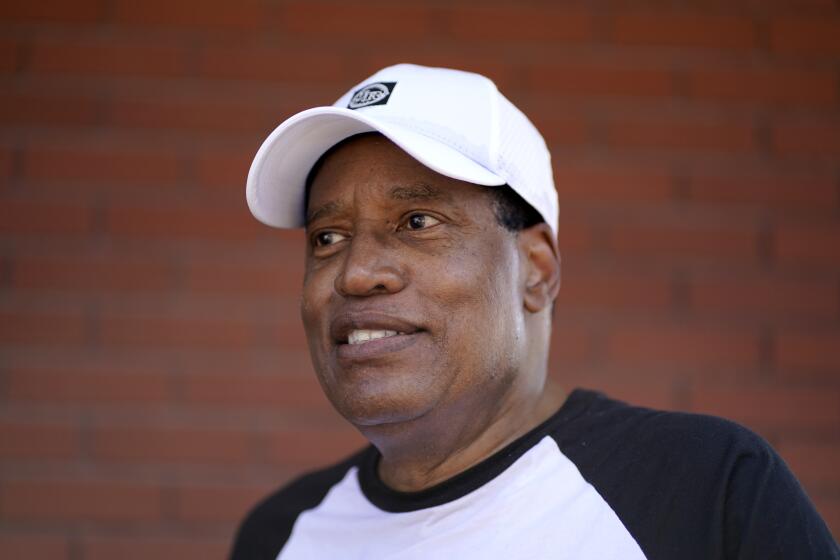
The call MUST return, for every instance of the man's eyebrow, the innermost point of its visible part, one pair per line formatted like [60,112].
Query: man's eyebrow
[331,207]
[419,191]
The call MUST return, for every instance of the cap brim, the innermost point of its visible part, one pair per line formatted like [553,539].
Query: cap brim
[276,180]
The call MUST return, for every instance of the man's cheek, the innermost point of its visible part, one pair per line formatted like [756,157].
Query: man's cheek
[317,290]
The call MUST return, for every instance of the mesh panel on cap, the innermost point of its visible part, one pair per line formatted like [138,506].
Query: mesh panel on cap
[443,134]
[524,161]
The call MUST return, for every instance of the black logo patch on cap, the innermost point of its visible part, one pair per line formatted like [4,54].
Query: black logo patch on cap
[371,94]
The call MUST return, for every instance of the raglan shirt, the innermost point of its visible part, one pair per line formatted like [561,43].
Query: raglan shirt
[598,480]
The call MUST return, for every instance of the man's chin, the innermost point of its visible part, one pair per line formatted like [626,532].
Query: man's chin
[380,411]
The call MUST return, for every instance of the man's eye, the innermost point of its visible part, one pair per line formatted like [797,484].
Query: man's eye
[327,238]
[421,221]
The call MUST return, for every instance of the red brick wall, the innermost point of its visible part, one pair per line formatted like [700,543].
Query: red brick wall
[154,380]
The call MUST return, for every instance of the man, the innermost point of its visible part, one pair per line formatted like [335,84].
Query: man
[431,271]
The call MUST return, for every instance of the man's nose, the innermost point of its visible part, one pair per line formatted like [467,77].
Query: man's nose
[371,266]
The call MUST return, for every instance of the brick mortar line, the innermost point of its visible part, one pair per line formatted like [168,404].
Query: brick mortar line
[508,50]
[265,90]
[267,86]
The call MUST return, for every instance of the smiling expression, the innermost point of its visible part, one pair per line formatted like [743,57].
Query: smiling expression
[412,299]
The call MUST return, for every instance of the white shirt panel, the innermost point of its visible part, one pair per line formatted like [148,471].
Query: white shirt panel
[539,507]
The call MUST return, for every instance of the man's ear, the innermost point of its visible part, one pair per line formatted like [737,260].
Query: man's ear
[541,260]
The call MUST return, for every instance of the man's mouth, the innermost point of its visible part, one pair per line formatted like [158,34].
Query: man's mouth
[361,327]
[371,335]
[360,336]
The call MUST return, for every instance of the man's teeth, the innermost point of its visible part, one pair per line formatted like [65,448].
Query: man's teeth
[363,335]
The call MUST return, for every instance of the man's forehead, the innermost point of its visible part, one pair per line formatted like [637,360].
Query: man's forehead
[420,190]
[411,191]
[403,178]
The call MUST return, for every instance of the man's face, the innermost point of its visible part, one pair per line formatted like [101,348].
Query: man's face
[417,263]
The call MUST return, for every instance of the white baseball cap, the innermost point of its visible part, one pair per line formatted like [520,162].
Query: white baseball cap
[453,122]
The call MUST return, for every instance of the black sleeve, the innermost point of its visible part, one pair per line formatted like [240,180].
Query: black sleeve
[267,527]
[693,487]
[768,515]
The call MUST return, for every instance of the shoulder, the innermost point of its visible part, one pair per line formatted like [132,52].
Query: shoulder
[690,485]
[268,525]
[612,442]
[599,425]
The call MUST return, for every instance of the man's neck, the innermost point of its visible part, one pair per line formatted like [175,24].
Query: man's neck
[437,448]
